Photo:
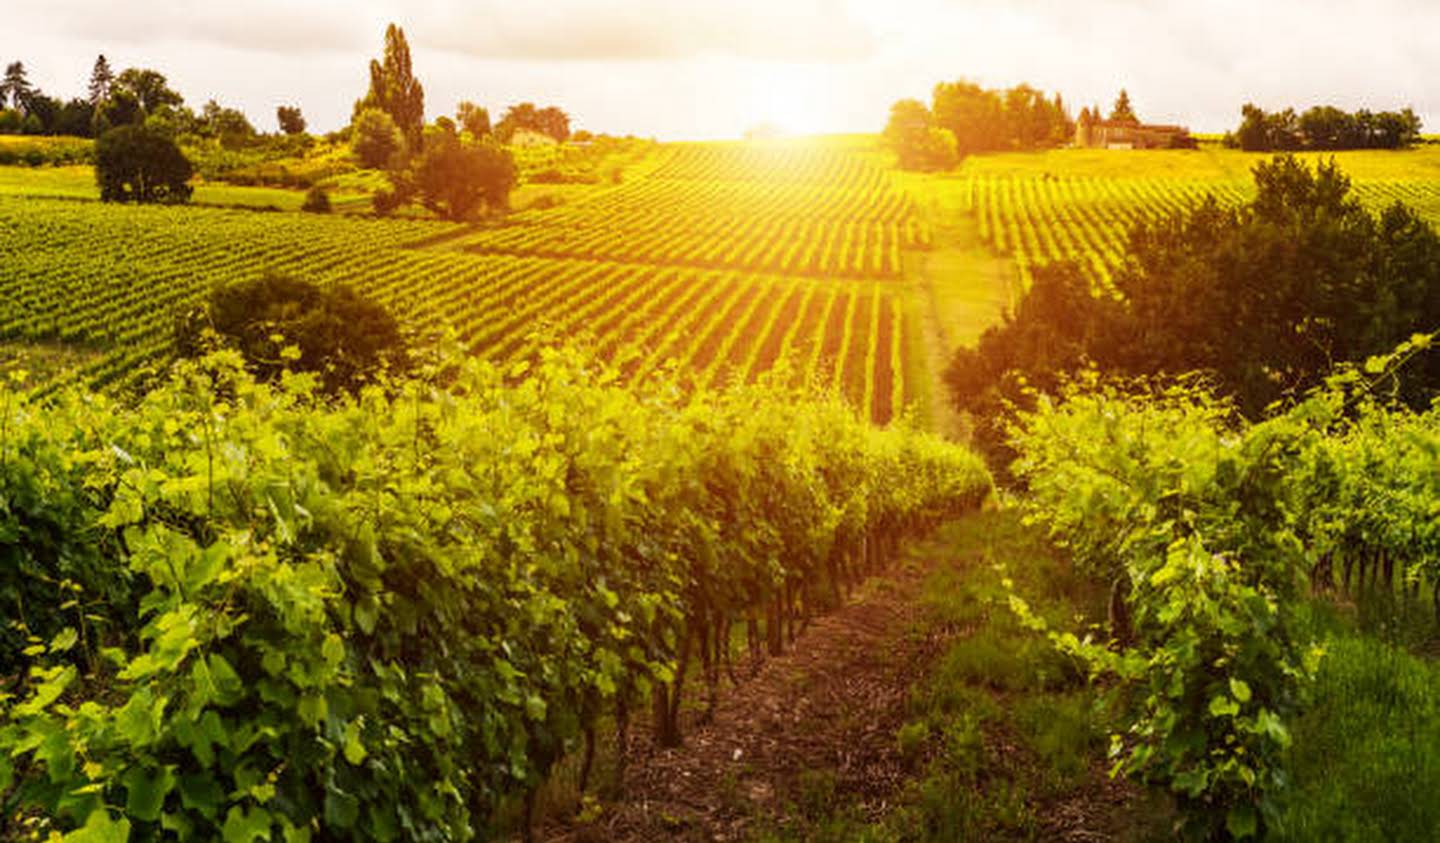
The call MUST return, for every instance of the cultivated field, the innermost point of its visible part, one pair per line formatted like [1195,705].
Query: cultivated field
[725,260]
[1080,204]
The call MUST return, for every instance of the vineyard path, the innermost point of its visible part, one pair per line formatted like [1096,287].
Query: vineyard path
[826,711]
[959,286]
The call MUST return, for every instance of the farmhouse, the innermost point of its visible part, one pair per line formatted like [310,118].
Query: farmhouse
[1095,133]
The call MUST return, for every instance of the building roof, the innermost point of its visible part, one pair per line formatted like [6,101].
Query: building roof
[1145,127]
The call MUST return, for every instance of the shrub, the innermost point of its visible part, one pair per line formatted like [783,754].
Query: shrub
[317,201]
[140,164]
[279,324]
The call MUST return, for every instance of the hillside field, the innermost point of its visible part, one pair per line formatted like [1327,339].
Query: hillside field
[724,258]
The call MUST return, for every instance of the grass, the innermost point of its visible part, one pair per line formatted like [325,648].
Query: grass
[1366,755]
[1001,729]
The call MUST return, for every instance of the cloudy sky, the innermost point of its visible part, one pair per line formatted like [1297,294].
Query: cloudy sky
[678,69]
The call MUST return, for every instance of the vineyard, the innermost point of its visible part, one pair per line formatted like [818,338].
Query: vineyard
[725,276]
[1084,213]
[793,211]
[391,617]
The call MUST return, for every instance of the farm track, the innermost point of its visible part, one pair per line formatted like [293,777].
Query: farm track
[832,703]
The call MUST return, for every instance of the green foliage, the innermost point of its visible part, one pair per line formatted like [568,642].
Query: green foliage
[1323,128]
[394,90]
[317,201]
[455,177]
[37,152]
[376,138]
[1189,520]
[1263,298]
[140,164]
[282,324]
[376,618]
[913,137]
[290,120]
[1205,526]
[473,119]
[1122,111]
[983,120]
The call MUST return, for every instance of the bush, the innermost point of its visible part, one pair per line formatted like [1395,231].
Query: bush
[140,164]
[317,201]
[284,324]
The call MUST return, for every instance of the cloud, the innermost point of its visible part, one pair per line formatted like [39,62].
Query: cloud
[265,26]
[576,30]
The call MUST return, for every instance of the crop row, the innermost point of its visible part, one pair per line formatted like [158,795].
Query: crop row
[1041,219]
[793,246]
[833,215]
[771,163]
[64,278]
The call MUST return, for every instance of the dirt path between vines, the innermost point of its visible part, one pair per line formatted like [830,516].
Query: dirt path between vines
[818,725]
[830,706]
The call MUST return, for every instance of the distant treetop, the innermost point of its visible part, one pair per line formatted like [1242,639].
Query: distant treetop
[1122,112]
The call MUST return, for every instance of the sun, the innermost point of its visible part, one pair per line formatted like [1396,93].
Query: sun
[791,100]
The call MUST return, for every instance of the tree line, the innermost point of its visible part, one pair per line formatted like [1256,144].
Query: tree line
[1323,127]
[963,118]
[455,167]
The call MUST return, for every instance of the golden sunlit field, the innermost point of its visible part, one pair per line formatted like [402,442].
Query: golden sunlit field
[741,434]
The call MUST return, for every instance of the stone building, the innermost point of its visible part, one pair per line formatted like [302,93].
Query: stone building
[1091,132]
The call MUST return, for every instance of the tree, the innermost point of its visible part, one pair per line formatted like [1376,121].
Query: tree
[394,88]
[291,121]
[473,119]
[139,164]
[149,88]
[15,87]
[77,117]
[280,323]
[375,138]
[230,126]
[1122,112]
[975,116]
[516,117]
[916,141]
[1264,298]
[553,122]
[101,78]
[455,177]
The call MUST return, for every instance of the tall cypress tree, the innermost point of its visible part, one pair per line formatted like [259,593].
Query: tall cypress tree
[394,88]
[101,78]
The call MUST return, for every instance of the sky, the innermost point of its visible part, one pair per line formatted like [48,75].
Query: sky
[678,69]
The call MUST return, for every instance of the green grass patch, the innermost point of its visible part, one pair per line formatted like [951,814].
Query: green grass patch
[1366,754]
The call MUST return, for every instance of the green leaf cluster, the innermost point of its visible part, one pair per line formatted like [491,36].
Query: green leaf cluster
[379,616]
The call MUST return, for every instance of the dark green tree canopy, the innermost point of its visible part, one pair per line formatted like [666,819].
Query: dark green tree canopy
[15,88]
[1323,128]
[983,120]
[141,164]
[280,323]
[394,88]
[455,177]
[291,121]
